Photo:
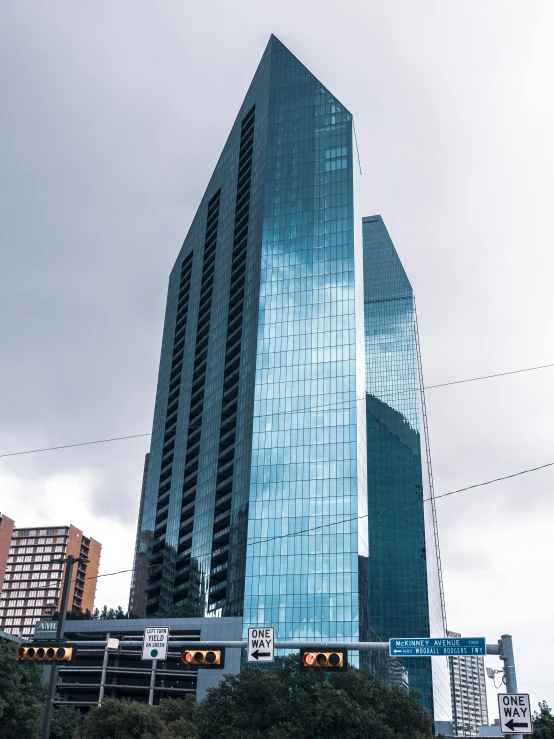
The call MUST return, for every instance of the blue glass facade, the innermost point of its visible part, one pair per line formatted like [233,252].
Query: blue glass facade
[256,495]
[404,585]
[308,476]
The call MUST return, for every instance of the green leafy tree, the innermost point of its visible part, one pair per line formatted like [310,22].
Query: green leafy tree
[65,721]
[178,715]
[122,719]
[126,719]
[543,722]
[76,614]
[186,611]
[22,695]
[289,702]
[106,613]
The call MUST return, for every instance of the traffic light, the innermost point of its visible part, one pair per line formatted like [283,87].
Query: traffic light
[204,658]
[336,660]
[45,653]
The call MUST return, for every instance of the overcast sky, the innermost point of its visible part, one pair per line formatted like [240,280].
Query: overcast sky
[114,115]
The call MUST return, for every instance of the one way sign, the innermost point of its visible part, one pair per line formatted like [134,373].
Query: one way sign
[260,644]
[515,713]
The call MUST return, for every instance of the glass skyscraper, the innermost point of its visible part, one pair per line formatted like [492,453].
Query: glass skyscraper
[405,582]
[255,501]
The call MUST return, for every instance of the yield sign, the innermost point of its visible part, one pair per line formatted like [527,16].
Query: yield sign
[154,645]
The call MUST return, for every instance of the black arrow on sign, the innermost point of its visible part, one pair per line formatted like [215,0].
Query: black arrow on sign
[512,726]
[257,654]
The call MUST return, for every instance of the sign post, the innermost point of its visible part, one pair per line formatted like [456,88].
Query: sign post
[154,645]
[260,644]
[438,647]
[515,713]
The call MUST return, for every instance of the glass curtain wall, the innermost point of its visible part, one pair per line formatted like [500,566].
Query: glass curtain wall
[308,487]
[398,563]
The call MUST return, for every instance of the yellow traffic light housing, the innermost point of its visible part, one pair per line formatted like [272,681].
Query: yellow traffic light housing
[336,660]
[204,657]
[45,653]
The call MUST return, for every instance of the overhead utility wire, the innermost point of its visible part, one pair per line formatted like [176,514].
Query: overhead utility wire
[278,413]
[69,446]
[488,377]
[345,520]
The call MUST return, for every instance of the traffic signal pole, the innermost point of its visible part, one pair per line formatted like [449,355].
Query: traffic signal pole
[152,682]
[59,636]
[507,655]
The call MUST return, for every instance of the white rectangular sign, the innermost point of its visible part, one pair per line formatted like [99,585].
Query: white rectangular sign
[154,645]
[515,713]
[260,644]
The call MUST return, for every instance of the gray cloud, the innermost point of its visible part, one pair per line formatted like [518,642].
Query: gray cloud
[114,116]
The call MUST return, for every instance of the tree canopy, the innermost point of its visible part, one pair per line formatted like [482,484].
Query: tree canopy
[22,695]
[64,722]
[283,702]
[543,722]
[76,614]
[125,719]
[289,702]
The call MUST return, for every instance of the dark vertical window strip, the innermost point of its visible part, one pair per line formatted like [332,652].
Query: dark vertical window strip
[171,419]
[198,389]
[228,426]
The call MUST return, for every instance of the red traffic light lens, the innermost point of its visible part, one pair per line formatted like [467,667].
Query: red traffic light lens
[21,652]
[324,660]
[211,657]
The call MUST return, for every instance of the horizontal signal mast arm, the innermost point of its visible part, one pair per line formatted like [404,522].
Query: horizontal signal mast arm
[367,646]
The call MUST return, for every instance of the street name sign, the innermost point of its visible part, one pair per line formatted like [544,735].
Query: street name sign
[260,644]
[154,645]
[438,647]
[515,713]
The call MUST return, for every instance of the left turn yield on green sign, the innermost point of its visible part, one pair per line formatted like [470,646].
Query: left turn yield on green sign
[154,645]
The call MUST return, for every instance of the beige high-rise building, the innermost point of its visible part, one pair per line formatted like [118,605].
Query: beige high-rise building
[469,694]
[6,532]
[32,582]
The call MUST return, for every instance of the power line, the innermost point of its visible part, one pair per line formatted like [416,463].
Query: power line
[404,505]
[296,410]
[375,513]
[345,520]
[69,446]
[488,377]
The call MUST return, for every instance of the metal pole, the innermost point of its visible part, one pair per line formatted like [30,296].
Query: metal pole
[213,643]
[509,663]
[59,635]
[152,683]
[507,654]
[104,666]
